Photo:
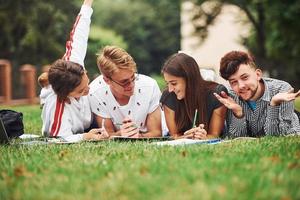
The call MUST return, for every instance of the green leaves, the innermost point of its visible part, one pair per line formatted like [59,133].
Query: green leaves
[151,29]
[274,38]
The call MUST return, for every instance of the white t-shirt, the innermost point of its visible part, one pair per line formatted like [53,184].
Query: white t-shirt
[144,101]
[63,119]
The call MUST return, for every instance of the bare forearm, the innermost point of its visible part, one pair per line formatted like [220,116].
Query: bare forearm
[156,133]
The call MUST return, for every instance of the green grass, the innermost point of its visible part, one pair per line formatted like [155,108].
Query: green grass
[160,81]
[31,117]
[297,104]
[266,168]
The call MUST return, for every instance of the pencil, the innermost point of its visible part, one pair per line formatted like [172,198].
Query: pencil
[102,124]
[195,116]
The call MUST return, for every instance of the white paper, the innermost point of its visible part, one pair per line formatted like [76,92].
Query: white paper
[29,136]
[185,141]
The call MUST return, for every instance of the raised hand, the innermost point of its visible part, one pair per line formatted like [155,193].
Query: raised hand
[230,104]
[88,2]
[290,95]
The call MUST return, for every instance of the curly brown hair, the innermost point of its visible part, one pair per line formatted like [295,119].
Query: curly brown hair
[231,62]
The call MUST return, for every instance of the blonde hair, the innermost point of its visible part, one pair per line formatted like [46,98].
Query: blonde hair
[113,58]
[43,79]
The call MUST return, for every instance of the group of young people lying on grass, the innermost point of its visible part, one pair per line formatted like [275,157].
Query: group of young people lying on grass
[122,102]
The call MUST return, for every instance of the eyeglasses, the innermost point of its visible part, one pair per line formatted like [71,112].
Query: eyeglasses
[127,82]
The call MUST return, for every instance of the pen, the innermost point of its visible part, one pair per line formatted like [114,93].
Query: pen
[102,124]
[195,116]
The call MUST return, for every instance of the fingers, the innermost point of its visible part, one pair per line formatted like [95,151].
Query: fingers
[200,136]
[96,134]
[297,94]
[200,132]
[128,125]
[217,96]
[196,133]
[291,90]
[136,135]
[201,126]
[223,100]
[95,130]
[104,133]
[129,129]
[223,94]
[188,134]
[130,133]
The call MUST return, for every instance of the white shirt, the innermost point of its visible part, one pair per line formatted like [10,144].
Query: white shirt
[63,119]
[144,101]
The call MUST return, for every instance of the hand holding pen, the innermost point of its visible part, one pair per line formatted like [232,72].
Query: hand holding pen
[96,133]
[129,128]
[198,133]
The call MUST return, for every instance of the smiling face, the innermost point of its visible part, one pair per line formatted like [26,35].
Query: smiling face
[176,85]
[246,82]
[122,82]
[82,89]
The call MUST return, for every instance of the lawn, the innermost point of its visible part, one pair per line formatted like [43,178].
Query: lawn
[297,104]
[266,168]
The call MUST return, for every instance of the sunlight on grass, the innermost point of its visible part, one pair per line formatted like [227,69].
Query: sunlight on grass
[31,117]
[266,168]
[259,169]
[297,104]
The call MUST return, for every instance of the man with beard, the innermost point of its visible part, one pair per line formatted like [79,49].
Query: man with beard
[257,106]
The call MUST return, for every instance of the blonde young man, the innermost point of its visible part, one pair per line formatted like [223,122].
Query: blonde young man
[257,106]
[126,103]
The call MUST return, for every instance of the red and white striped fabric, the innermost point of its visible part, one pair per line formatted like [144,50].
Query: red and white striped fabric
[59,110]
[64,119]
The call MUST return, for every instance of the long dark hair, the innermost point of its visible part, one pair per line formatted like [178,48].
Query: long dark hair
[197,89]
[64,76]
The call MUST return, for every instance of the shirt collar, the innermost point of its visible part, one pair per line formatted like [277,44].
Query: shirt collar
[266,96]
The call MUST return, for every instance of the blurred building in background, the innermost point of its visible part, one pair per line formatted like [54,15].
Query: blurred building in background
[223,36]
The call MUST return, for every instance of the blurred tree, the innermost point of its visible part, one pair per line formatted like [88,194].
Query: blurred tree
[98,38]
[150,28]
[274,38]
[35,32]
